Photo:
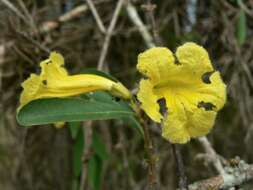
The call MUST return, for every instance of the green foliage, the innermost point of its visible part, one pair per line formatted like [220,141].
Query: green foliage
[95,164]
[74,128]
[77,154]
[94,106]
[99,147]
[241,28]
[94,172]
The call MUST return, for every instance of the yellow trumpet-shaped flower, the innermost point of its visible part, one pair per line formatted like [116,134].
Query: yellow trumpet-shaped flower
[193,91]
[54,81]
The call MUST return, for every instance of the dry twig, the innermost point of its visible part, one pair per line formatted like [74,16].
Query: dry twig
[182,183]
[136,20]
[234,176]
[212,154]
[109,34]
[148,143]
[87,133]
[14,9]
[96,16]
[150,8]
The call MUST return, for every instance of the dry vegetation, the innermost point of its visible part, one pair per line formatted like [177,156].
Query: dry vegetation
[41,157]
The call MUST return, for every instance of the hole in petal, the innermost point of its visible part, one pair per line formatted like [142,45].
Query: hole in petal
[176,60]
[206,77]
[145,77]
[44,82]
[206,105]
[162,105]
[117,99]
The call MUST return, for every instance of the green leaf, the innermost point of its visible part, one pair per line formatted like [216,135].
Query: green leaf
[77,155]
[99,146]
[241,28]
[95,172]
[93,106]
[75,184]
[74,128]
[133,122]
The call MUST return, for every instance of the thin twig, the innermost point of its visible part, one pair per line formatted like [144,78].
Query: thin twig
[236,176]
[36,43]
[87,134]
[136,20]
[74,13]
[245,8]
[150,155]
[28,15]
[182,183]
[14,9]
[150,8]
[212,154]
[96,16]
[2,57]
[109,34]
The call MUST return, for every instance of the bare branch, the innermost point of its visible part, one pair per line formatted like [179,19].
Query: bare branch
[182,183]
[150,8]
[14,9]
[136,20]
[212,154]
[96,16]
[109,34]
[74,13]
[51,25]
[87,133]
[148,143]
[234,176]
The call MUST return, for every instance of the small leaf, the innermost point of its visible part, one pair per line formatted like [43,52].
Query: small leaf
[241,28]
[75,184]
[74,128]
[99,146]
[95,172]
[78,151]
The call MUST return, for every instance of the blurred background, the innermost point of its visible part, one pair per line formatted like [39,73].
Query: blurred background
[44,157]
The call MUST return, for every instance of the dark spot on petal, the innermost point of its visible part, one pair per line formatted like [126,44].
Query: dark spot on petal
[162,105]
[117,99]
[44,82]
[206,105]
[206,77]
[176,60]
[49,61]
[145,77]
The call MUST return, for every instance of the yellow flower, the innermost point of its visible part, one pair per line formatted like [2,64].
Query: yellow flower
[54,81]
[192,89]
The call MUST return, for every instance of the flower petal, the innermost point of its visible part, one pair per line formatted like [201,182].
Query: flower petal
[174,125]
[32,86]
[200,122]
[156,63]
[149,100]
[52,69]
[194,59]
